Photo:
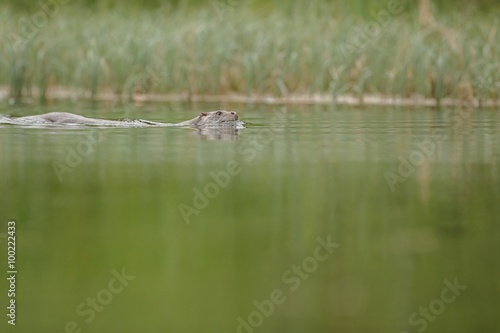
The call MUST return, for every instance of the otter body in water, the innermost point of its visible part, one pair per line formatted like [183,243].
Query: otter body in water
[218,118]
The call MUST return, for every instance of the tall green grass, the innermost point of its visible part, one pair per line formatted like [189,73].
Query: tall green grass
[277,50]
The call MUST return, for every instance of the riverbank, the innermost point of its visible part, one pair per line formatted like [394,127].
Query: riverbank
[227,50]
[297,99]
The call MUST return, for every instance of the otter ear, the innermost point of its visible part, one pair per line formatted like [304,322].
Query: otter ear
[203,114]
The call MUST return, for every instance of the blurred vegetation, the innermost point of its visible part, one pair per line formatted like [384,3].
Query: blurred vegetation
[354,6]
[250,47]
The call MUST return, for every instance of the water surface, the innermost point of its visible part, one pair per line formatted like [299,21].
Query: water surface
[222,232]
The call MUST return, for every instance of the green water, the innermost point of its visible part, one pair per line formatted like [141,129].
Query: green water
[222,232]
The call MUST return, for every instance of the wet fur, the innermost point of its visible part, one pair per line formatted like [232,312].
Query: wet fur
[204,119]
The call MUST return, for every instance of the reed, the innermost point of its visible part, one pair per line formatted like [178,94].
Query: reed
[311,47]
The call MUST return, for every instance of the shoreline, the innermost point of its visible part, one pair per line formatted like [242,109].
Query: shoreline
[291,99]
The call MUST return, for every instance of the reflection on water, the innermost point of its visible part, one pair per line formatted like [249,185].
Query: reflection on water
[409,197]
[218,133]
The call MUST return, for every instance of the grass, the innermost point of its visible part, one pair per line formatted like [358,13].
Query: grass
[301,48]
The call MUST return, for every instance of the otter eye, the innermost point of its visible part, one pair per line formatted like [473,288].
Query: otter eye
[219,113]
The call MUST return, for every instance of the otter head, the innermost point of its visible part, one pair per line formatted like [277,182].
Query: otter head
[217,117]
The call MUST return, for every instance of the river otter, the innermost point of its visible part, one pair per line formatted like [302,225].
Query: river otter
[204,119]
